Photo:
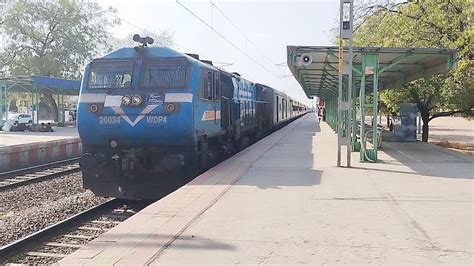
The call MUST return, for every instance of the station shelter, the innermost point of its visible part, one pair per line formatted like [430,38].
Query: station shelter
[35,86]
[373,69]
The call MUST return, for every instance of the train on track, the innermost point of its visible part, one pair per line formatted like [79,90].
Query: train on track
[151,118]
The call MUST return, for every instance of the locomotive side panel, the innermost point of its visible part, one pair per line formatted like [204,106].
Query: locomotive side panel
[244,108]
[265,108]
[207,107]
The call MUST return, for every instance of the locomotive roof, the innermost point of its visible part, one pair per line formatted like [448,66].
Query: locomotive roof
[153,52]
[148,52]
[161,51]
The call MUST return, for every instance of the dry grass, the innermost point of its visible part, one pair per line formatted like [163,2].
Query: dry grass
[456,146]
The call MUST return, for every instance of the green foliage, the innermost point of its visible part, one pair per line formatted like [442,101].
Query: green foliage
[429,23]
[54,38]
[425,24]
[393,98]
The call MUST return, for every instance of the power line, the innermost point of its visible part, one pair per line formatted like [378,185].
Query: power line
[241,32]
[186,49]
[161,31]
[224,38]
[245,36]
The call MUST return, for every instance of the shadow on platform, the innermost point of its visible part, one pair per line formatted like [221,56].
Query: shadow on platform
[425,159]
[155,240]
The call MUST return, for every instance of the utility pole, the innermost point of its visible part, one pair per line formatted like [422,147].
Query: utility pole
[344,107]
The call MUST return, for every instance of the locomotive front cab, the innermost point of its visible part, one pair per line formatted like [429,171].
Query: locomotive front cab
[134,123]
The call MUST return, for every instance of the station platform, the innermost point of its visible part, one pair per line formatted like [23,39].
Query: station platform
[282,200]
[19,138]
[26,149]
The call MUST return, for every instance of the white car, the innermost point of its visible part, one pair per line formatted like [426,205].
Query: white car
[21,118]
[16,122]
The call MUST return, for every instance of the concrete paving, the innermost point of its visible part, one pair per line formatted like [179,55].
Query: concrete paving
[284,201]
[453,129]
[17,138]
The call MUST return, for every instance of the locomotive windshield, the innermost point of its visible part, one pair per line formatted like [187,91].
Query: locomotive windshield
[164,74]
[110,75]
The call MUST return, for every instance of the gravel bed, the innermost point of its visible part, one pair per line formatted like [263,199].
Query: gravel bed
[110,217]
[27,209]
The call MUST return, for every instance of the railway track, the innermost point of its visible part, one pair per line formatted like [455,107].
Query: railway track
[57,241]
[16,178]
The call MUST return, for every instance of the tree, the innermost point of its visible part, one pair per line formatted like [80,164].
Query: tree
[428,23]
[54,38]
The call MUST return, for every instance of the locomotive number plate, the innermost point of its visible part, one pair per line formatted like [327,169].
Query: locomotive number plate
[156,119]
[109,120]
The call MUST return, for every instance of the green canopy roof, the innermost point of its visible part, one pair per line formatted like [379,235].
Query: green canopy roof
[396,65]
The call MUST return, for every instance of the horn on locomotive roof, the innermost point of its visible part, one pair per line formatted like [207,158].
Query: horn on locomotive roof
[143,40]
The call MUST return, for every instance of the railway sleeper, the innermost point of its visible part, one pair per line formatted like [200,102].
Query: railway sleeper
[86,228]
[46,255]
[79,237]
[56,244]
[25,177]
[105,222]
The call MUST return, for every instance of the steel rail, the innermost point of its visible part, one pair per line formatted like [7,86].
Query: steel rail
[20,246]
[13,180]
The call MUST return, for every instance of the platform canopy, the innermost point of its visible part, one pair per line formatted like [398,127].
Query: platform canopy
[35,86]
[36,83]
[396,66]
[320,74]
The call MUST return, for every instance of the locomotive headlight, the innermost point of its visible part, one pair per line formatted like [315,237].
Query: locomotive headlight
[113,143]
[170,108]
[93,108]
[126,100]
[136,100]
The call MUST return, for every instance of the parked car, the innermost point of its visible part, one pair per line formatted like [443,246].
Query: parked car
[17,122]
[21,118]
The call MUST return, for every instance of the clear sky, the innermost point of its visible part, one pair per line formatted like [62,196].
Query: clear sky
[269,24]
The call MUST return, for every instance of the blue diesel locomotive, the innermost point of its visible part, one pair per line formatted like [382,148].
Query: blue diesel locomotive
[151,118]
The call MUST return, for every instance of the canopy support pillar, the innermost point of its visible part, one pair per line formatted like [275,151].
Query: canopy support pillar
[370,68]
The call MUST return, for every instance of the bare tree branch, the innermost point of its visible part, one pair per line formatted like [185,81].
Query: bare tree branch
[448,113]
